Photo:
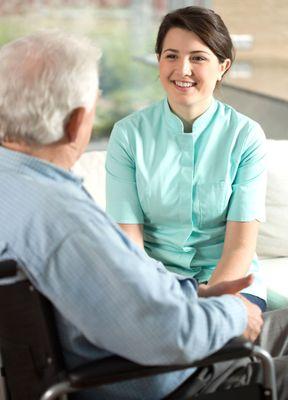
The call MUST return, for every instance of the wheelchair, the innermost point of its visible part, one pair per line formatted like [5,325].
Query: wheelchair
[32,365]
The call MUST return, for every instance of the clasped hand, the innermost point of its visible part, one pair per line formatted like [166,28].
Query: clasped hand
[254,314]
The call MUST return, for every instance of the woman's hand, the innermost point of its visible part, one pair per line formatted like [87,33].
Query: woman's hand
[254,314]
[226,287]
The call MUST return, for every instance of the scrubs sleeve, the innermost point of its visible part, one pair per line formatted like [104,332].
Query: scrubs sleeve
[247,202]
[122,201]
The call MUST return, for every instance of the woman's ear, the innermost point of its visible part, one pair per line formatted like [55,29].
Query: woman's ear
[74,123]
[224,68]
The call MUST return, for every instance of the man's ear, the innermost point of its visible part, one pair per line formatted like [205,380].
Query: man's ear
[74,123]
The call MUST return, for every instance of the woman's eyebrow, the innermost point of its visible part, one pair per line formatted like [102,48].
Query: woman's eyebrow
[173,50]
[191,52]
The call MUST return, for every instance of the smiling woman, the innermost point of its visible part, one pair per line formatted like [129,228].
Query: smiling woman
[186,176]
[189,72]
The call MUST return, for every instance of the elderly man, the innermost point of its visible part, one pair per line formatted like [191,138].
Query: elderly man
[109,297]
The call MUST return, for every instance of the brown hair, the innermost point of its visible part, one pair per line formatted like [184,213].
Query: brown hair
[205,23]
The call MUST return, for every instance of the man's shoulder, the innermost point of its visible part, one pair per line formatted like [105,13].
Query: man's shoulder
[62,202]
[68,200]
[45,214]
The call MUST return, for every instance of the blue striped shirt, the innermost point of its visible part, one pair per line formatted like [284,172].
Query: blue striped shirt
[109,296]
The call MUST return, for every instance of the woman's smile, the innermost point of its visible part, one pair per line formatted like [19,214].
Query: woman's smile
[184,85]
[189,71]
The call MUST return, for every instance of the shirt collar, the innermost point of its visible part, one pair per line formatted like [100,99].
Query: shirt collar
[199,124]
[20,162]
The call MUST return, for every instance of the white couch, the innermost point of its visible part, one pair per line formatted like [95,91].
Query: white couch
[272,246]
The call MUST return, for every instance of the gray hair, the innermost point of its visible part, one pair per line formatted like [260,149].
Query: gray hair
[43,78]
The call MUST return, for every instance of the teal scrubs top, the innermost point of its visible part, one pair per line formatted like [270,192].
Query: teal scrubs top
[184,187]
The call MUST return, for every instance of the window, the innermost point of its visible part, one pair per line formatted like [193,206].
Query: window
[126,31]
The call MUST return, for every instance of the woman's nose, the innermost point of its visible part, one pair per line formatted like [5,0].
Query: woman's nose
[185,67]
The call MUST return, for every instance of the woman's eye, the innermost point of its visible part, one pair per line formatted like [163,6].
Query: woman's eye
[171,56]
[198,58]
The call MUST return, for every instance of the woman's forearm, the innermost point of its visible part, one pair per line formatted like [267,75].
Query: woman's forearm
[238,251]
[233,266]
[134,232]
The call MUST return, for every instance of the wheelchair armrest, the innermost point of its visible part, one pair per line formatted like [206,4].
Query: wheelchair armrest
[115,369]
[8,268]
[234,349]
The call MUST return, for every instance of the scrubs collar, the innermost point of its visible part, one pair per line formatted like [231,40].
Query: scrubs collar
[199,125]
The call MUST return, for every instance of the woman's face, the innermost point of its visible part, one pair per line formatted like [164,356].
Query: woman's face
[188,71]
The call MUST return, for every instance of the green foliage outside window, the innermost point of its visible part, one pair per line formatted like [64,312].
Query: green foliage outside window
[126,84]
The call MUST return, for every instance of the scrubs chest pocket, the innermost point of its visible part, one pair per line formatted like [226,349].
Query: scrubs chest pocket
[212,200]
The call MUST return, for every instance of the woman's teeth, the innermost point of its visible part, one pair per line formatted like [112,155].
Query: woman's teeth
[184,84]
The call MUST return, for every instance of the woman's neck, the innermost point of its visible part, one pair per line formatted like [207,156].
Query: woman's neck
[188,114]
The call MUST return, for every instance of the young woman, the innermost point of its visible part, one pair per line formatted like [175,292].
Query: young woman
[186,176]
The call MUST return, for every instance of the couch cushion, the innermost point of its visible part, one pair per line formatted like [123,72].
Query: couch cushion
[273,238]
[91,166]
[274,273]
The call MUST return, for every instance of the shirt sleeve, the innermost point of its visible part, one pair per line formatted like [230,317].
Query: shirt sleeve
[247,202]
[130,306]
[122,201]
